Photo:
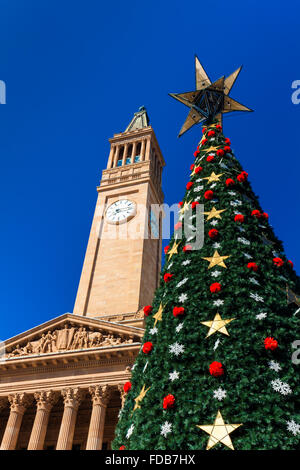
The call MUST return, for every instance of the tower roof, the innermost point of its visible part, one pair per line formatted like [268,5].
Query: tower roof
[139,120]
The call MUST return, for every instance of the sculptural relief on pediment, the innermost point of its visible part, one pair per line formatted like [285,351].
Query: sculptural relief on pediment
[67,338]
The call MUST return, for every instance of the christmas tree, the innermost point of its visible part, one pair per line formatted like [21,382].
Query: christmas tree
[215,369]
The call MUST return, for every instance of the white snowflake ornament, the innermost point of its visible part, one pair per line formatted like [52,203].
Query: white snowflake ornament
[219,394]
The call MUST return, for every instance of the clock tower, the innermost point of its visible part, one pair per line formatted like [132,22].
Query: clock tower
[123,257]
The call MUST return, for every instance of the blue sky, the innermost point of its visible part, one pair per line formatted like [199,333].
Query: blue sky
[77,71]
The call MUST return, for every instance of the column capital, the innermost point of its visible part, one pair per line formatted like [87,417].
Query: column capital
[19,402]
[46,399]
[100,394]
[72,397]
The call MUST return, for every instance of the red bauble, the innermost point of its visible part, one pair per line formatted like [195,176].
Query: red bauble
[215,287]
[291,263]
[196,153]
[210,158]
[177,311]
[265,215]
[147,310]
[203,130]
[168,277]
[187,248]
[194,204]
[127,387]
[256,213]
[219,127]
[166,249]
[169,402]
[213,233]
[220,153]
[178,225]
[227,141]
[216,369]
[122,448]
[227,149]
[180,204]
[189,185]
[192,166]
[147,347]
[203,142]
[239,218]
[229,182]
[271,343]
[278,262]
[211,133]
[242,177]
[208,195]
[252,266]
[198,169]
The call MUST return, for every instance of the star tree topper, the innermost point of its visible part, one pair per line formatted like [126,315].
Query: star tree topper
[219,432]
[209,100]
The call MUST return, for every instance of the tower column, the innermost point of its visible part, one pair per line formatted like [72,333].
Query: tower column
[133,152]
[143,150]
[111,157]
[125,154]
[72,398]
[147,155]
[44,403]
[100,397]
[116,156]
[18,404]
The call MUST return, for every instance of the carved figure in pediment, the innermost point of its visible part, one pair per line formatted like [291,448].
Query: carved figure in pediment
[49,342]
[40,346]
[16,352]
[75,343]
[28,348]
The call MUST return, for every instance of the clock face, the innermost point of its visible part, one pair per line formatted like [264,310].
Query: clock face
[121,211]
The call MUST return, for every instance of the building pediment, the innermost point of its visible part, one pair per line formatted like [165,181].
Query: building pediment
[71,332]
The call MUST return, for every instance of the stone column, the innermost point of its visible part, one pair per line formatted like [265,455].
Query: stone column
[111,157]
[100,397]
[122,394]
[44,403]
[125,154]
[116,155]
[143,150]
[18,404]
[133,152]
[147,156]
[72,398]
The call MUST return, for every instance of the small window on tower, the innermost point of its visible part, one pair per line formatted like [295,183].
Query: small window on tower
[137,158]
[128,160]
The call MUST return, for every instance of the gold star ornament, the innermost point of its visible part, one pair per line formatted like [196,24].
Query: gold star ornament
[214,213]
[158,315]
[216,260]
[217,324]
[213,177]
[209,100]
[140,397]
[185,207]
[219,432]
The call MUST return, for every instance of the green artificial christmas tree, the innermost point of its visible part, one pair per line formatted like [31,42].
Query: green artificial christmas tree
[215,368]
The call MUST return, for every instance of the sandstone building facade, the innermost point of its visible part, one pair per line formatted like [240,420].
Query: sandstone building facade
[61,383]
